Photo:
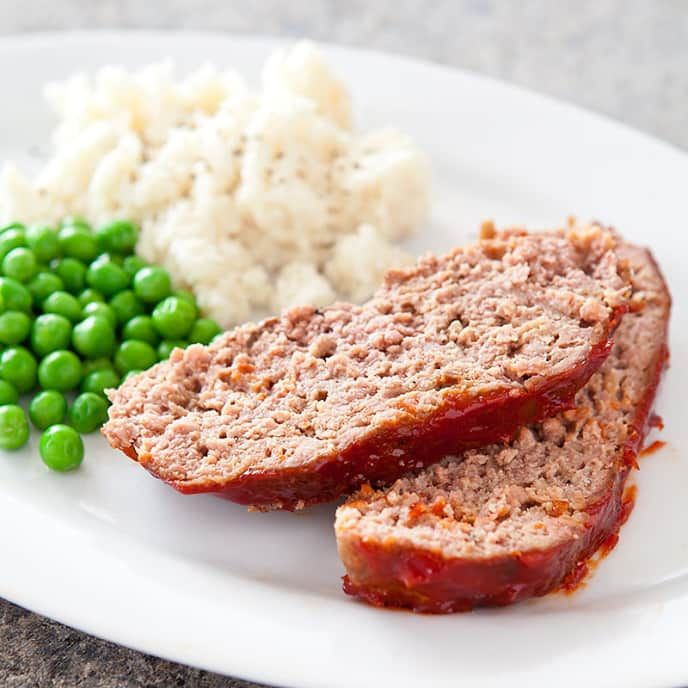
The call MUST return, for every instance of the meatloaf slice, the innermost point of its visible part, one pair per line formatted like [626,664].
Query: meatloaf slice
[455,352]
[495,525]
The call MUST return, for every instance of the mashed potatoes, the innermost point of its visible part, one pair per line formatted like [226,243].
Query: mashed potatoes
[254,200]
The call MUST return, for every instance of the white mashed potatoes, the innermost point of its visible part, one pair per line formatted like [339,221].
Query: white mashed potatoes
[254,200]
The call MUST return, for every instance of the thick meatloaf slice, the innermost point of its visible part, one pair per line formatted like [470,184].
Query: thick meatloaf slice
[456,352]
[495,525]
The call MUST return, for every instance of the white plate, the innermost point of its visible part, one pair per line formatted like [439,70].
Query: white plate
[195,579]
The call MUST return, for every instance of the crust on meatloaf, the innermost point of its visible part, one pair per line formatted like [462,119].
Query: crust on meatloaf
[456,352]
[495,525]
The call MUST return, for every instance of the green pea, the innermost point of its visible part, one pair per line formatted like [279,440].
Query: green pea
[14,327]
[173,318]
[187,296]
[19,264]
[47,408]
[117,237]
[97,364]
[141,328]
[107,277]
[88,412]
[13,225]
[90,296]
[43,285]
[77,242]
[111,258]
[94,337]
[60,370]
[152,284]
[61,448]
[11,239]
[132,264]
[131,373]
[18,367]
[43,242]
[50,332]
[98,381]
[204,330]
[104,310]
[14,296]
[134,355]
[62,303]
[8,394]
[76,221]
[73,273]
[126,306]
[167,346]
[14,428]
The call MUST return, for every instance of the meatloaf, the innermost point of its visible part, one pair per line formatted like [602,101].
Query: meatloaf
[455,352]
[495,525]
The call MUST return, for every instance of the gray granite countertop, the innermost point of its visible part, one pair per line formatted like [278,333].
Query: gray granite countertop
[625,58]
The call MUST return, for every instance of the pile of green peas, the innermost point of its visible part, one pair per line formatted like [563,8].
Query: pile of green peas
[80,312]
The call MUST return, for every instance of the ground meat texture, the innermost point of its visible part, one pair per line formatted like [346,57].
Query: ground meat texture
[495,525]
[456,352]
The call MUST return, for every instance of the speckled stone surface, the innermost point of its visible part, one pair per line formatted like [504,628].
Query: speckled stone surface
[625,58]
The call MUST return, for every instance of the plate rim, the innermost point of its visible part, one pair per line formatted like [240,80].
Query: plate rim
[15,42]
